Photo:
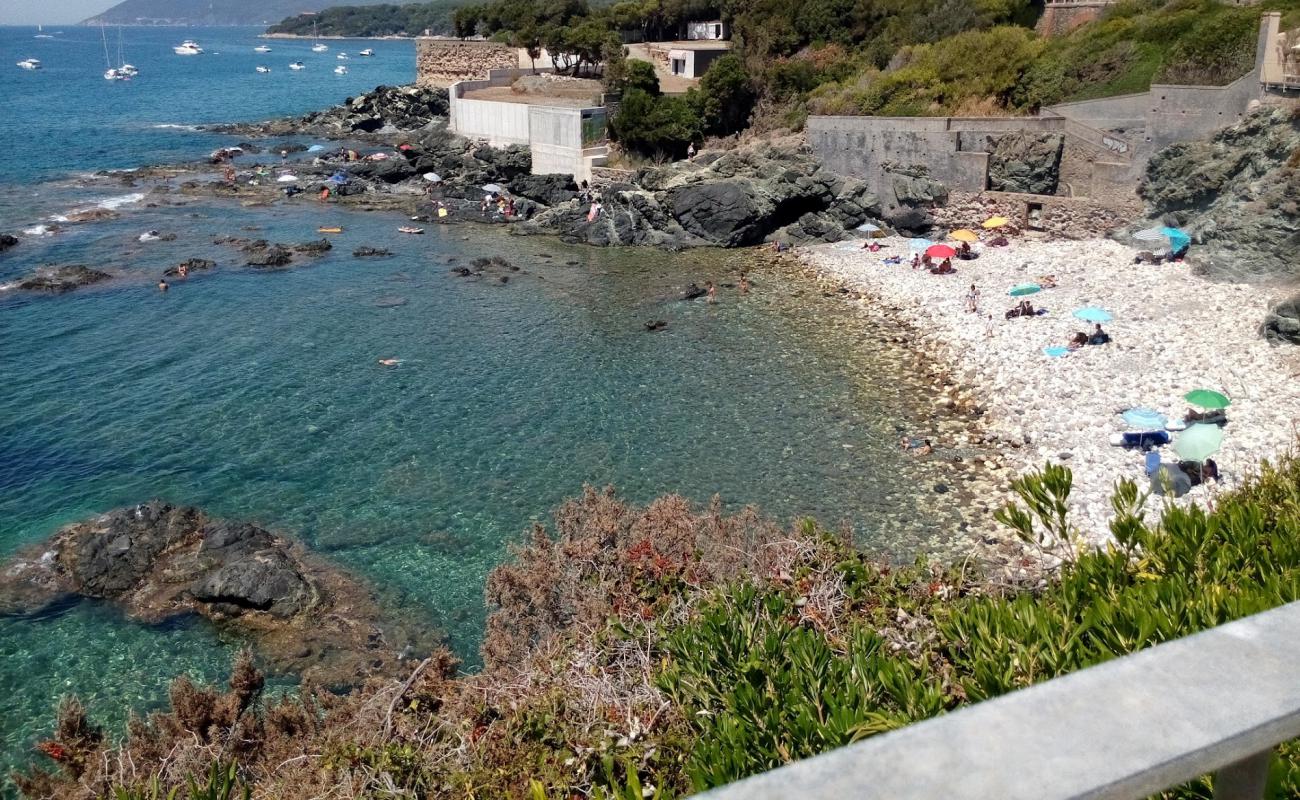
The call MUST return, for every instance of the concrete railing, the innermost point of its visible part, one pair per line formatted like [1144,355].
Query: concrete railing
[1216,702]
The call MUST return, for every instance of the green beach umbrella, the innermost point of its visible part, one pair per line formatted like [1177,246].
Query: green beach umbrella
[1024,289]
[1199,442]
[1206,398]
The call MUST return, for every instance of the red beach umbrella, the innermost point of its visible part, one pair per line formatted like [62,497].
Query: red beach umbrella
[940,251]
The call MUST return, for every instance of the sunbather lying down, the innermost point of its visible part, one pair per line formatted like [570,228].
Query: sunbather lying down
[1046,281]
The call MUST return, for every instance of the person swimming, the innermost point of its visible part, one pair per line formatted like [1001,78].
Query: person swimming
[390,362]
[162,285]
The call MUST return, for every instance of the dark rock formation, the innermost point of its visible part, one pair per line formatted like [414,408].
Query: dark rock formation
[371,252]
[157,561]
[1282,325]
[62,279]
[1026,162]
[914,193]
[549,190]
[273,255]
[386,109]
[7,241]
[313,248]
[1237,195]
[191,265]
[722,212]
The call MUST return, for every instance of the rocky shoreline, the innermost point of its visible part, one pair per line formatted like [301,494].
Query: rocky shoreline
[1173,331]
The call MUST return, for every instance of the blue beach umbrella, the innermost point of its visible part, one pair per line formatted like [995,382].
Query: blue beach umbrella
[1146,419]
[1093,314]
[316,148]
[1056,352]
[1025,288]
[919,245]
[1177,238]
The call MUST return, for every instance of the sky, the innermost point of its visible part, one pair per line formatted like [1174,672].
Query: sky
[54,12]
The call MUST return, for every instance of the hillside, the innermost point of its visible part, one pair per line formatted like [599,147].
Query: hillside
[208,12]
[384,19]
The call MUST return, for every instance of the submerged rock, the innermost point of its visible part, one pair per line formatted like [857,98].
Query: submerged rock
[269,256]
[7,241]
[190,265]
[157,561]
[371,252]
[62,279]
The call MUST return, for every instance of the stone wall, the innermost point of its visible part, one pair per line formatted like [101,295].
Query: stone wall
[441,62]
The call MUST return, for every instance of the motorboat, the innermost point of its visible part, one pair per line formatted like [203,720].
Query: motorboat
[128,70]
[340,70]
[189,47]
[367,52]
[297,65]
[30,63]
[114,74]
[261,48]
[263,69]
[342,56]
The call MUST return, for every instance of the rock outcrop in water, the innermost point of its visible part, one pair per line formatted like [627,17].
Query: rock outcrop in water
[1237,194]
[156,562]
[62,279]
[386,109]
[7,241]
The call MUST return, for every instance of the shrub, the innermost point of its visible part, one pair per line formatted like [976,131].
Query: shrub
[656,126]
[725,98]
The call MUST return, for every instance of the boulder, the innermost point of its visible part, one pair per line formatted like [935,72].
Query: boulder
[1026,162]
[191,265]
[549,190]
[7,241]
[271,256]
[62,279]
[313,248]
[1282,324]
[721,212]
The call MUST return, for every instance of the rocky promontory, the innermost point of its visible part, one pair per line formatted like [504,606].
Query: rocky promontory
[156,562]
[386,109]
[1237,194]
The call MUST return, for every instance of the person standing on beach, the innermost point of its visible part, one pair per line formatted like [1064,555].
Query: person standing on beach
[988,327]
[744,283]
[973,299]
[711,291]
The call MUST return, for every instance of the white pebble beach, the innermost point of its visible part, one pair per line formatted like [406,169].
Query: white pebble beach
[1172,332]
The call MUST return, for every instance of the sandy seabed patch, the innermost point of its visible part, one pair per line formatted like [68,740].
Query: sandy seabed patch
[1172,332]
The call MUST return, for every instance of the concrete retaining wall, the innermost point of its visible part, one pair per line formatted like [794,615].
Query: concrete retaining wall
[442,62]
[1125,112]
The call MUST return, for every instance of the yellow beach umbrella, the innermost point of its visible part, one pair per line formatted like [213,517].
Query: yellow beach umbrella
[995,222]
[965,235]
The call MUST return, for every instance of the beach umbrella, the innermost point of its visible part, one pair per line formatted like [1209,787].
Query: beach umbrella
[919,245]
[287,178]
[493,188]
[1177,238]
[432,177]
[1149,235]
[868,227]
[940,251]
[1056,352]
[1025,288]
[1146,419]
[1207,398]
[1199,442]
[316,148]
[965,235]
[995,222]
[1093,314]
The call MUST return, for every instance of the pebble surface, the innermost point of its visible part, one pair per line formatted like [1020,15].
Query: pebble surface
[1172,332]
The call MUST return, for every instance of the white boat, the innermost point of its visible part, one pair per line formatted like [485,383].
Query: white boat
[112,73]
[41,34]
[261,68]
[367,52]
[126,69]
[261,48]
[297,65]
[30,63]
[342,56]
[319,47]
[189,47]
[340,70]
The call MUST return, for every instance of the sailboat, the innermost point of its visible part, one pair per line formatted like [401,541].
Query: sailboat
[123,67]
[112,73]
[41,34]
[319,47]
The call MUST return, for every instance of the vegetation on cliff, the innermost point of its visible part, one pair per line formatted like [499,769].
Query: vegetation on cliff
[657,651]
[385,19]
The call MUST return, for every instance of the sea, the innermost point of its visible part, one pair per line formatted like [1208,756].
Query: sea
[259,396]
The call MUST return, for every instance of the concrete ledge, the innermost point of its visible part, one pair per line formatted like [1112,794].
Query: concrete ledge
[1122,730]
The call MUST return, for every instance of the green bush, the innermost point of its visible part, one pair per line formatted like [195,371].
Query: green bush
[222,784]
[725,98]
[655,126]
[762,687]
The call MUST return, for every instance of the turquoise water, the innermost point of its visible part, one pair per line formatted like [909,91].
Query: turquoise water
[258,395]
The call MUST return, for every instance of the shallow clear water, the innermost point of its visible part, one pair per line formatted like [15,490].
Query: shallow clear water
[258,395]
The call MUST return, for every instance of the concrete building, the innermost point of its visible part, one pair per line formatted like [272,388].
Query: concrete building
[565,134]
[693,62]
